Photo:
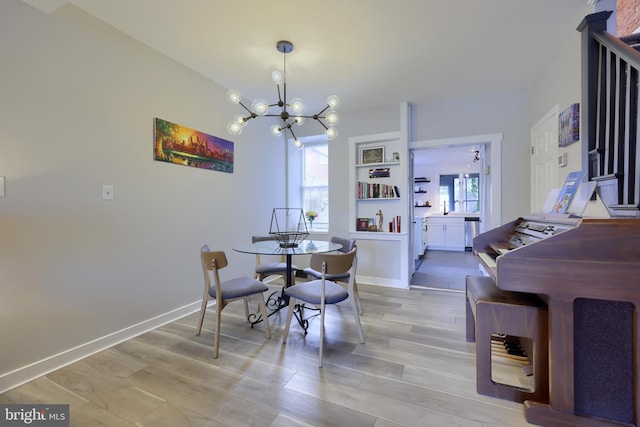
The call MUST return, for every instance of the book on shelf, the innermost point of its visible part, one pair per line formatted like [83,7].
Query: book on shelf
[368,190]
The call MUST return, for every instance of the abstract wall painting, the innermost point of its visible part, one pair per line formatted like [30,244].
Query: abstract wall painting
[184,146]
[569,126]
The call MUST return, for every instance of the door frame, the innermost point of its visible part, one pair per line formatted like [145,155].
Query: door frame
[492,206]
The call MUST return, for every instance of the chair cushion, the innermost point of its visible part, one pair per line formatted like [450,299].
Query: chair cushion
[311,292]
[239,287]
[274,267]
[318,275]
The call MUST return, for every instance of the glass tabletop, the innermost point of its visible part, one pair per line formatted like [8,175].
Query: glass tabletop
[271,247]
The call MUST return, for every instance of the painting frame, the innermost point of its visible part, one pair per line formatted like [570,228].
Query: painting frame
[369,155]
[178,144]
[569,125]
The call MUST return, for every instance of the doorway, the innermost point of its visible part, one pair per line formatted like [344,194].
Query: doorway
[489,168]
[489,149]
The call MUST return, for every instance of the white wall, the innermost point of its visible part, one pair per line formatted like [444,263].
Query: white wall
[549,90]
[503,112]
[78,101]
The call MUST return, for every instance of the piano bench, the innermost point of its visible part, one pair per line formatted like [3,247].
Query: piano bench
[492,311]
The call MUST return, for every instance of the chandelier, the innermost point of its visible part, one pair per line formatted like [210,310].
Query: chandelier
[291,113]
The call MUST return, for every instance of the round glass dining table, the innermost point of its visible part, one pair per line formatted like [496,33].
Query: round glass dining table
[271,247]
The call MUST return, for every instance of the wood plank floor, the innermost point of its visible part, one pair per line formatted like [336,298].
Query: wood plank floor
[416,369]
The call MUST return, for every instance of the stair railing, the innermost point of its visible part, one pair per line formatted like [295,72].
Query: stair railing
[610,115]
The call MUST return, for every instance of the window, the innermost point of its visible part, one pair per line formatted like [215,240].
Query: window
[309,180]
[460,193]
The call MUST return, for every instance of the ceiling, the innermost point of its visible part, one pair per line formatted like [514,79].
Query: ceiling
[370,53]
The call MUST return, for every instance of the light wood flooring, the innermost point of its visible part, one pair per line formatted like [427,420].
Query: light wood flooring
[416,369]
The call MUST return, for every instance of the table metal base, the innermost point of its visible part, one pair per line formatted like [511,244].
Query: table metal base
[279,300]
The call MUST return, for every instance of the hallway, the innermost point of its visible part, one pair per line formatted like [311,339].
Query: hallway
[444,270]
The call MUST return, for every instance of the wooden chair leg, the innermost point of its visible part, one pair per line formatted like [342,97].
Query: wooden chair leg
[203,308]
[285,334]
[354,307]
[321,351]
[246,308]
[357,297]
[216,346]
[265,315]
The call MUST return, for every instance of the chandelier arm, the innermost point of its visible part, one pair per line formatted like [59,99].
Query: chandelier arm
[280,102]
[245,107]
[322,124]
[323,110]
[291,130]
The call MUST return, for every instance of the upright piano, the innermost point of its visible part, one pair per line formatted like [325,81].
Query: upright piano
[588,273]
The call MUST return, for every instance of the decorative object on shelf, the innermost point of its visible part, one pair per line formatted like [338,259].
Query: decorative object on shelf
[181,145]
[569,126]
[362,224]
[396,157]
[288,227]
[379,215]
[379,173]
[291,113]
[421,179]
[371,155]
[311,215]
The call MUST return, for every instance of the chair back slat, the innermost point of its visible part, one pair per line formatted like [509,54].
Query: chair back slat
[207,256]
[336,263]
[347,244]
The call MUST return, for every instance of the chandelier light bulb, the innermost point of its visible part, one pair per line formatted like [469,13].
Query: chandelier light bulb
[298,120]
[298,143]
[332,118]
[333,101]
[277,77]
[276,130]
[234,96]
[234,128]
[332,133]
[297,106]
[260,107]
[239,118]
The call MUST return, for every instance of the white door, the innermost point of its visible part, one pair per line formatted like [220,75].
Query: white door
[544,158]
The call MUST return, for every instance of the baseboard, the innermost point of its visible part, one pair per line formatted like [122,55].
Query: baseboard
[34,370]
[380,281]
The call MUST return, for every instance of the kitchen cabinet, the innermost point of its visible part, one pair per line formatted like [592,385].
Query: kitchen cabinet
[445,233]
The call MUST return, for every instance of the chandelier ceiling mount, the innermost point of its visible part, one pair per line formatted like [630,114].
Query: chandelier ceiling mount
[291,112]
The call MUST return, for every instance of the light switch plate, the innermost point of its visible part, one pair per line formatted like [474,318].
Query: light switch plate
[107,192]
[562,160]
[1,186]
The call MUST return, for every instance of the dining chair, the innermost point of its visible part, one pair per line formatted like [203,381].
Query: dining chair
[224,292]
[347,246]
[322,291]
[266,269]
